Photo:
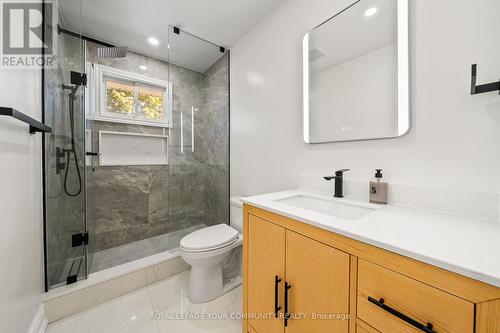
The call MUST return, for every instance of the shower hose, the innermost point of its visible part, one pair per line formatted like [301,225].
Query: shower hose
[72,150]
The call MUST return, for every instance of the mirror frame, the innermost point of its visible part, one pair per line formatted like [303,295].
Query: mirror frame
[404,74]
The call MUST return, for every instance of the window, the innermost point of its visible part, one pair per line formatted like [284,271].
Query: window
[120,97]
[131,98]
[150,103]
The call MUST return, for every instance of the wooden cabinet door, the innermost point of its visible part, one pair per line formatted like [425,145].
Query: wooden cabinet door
[251,330]
[319,280]
[266,260]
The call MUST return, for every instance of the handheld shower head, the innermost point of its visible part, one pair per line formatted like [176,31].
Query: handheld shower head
[72,89]
[77,80]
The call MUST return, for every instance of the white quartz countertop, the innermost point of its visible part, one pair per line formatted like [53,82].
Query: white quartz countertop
[465,245]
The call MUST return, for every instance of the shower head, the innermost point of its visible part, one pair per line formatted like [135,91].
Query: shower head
[111,52]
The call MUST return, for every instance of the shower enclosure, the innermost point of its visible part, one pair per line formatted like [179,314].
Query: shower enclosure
[139,153]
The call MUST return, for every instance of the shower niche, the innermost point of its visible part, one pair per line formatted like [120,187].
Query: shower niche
[139,152]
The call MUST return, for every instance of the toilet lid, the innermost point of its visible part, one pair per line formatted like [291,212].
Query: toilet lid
[209,238]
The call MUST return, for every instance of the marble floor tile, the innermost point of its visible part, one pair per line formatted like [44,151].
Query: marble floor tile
[170,299]
[129,313]
[161,308]
[195,326]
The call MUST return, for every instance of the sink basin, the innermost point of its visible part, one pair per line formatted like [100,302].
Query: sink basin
[343,210]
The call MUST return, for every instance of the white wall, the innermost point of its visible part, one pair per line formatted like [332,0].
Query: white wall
[20,203]
[455,138]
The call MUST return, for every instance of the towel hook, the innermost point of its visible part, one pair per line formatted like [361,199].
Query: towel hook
[484,88]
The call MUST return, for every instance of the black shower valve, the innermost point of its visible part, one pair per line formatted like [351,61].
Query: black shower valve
[60,155]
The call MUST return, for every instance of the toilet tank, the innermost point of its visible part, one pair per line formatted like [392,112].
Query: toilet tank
[236,213]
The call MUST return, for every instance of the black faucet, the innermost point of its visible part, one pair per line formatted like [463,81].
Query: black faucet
[339,182]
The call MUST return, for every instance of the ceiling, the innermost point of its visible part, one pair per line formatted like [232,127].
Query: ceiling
[131,22]
[351,34]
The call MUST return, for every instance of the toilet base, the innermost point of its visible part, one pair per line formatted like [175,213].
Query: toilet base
[205,284]
[213,273]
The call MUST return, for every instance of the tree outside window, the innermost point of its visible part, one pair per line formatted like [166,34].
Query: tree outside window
[134,99]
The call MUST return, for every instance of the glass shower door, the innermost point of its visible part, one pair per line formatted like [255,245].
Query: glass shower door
[91,161]
[198,178]
[65,165]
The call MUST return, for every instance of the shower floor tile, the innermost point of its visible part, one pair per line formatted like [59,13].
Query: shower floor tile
[160,308]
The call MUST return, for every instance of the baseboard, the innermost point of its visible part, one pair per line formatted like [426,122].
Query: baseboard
[39,324]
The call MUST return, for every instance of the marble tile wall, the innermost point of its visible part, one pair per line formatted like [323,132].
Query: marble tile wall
[130,201]
[200,186]
[215,153]
[130,204]
[186,191]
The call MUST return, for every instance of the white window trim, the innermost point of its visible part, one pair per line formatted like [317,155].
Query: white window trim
[98,101]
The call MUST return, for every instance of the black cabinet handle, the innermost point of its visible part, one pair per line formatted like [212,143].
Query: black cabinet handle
[380,303]
[277,280]
[287,315]
[91,153]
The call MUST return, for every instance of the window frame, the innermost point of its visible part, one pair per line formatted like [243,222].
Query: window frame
[101,73]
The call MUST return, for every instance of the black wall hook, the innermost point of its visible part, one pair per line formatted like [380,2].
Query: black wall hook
[484,88]
[35,125]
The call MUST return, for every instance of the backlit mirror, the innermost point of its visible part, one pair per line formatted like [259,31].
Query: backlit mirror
[356,74]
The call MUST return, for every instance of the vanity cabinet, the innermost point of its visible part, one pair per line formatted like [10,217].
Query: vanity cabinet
[337,284]
[280,281]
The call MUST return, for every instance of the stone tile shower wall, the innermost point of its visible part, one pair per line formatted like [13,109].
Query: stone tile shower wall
[137,202]
[199,181]
[214,148]
[130,201]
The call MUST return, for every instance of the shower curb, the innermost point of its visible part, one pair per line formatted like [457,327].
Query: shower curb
[61,304]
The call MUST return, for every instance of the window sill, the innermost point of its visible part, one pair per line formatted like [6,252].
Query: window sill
[128,121]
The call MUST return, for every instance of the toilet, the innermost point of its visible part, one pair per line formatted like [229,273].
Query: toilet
[214,254]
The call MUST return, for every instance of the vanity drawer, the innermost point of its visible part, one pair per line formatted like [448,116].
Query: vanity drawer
[361,327]
[388,301]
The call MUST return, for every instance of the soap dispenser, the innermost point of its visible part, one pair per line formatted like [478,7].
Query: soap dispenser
[378,189]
